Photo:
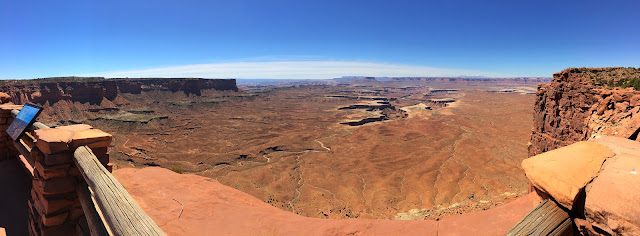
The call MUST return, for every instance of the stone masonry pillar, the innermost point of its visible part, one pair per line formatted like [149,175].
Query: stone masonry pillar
[7,150]
[54,208]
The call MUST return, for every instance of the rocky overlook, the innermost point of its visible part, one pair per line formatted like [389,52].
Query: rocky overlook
[420,166]
[95,89]
[593,183]
[584,102]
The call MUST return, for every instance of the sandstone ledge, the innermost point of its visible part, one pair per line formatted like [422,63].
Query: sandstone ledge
[614,196]
[597,181]
[212,207]
[563,173]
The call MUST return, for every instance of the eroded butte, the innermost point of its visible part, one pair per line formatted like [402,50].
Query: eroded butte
[376,150]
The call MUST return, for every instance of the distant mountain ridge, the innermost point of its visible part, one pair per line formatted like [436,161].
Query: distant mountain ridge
[450,79]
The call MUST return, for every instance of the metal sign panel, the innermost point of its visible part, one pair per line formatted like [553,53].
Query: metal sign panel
[23,120]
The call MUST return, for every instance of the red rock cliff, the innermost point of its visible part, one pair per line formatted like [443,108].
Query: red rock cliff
[584,102]
[95,89]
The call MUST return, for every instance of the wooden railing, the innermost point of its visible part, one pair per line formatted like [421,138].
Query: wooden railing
[546,219]
[108,208]
[120,214]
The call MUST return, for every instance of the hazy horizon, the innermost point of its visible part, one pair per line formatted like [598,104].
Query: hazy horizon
[292,79]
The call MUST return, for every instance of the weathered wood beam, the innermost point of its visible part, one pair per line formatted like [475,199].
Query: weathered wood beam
[546,219]
[120,214]
[96,227]
[25,151]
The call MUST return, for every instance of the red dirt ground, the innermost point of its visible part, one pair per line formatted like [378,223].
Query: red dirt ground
[209,207]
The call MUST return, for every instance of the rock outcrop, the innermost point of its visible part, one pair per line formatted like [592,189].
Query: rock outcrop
[602,199]
[563,172]
[94,90]
[584,102]
[598,187]
[613,198]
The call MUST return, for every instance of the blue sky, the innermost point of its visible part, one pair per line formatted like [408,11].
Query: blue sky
[313,39]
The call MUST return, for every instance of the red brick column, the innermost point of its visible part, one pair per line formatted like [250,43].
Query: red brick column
[54,205]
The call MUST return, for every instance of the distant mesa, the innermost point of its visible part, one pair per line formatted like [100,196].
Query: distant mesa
[379,106]
[360,97]
[442,90]
[346,80]
[442,100]
[365,121]
[504,91]
[475,79]
[94,89]
[369,107]
[513,90]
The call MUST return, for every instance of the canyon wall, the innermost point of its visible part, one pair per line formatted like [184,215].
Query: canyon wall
[95,89]
[581,103]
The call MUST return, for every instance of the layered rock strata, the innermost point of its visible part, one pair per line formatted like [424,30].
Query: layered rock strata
[581,103]
[596,180]
[94,90]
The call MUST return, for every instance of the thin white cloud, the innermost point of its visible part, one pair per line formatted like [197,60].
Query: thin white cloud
[291,70]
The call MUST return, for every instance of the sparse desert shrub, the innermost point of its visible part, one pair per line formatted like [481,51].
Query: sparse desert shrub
[612,77]
[177,169]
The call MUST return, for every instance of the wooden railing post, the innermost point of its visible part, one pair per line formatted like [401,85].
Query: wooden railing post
[96,226]
[120,214]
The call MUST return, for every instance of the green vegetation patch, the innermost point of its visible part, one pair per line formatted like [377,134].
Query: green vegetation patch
[612,77]
[177,169]
[629,82]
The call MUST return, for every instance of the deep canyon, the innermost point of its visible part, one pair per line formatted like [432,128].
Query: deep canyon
[406,148]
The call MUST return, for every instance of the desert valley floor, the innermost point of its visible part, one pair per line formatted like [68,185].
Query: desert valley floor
[360,150]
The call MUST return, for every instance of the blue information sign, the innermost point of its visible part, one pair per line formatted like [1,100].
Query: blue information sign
[23,120]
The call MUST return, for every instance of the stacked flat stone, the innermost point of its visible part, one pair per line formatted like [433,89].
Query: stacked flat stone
[54,205]
[7,150]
